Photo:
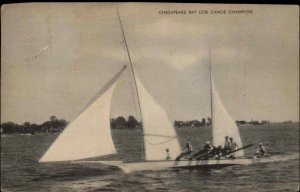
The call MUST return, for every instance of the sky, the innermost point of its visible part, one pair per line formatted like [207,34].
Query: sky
[56,56]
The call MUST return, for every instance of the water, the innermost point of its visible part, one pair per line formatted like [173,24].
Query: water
[21,172]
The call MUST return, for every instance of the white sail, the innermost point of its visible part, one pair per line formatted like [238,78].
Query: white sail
[222,123]
[159,133]
[89,134]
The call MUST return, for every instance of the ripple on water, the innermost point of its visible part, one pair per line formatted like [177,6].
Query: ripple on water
[19,156]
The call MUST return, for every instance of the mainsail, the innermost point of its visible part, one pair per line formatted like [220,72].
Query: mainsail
[159,133]
[222,123]
[89,134]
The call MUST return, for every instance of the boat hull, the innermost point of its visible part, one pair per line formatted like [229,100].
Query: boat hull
[185,164]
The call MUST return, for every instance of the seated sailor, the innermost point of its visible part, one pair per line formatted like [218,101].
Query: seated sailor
[261,150]
[203,153]
[227,145]
[207,147]
[216,152]
[188,149]
[233,147]
[168,154]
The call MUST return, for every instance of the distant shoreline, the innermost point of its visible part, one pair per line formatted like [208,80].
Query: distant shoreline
[138,128]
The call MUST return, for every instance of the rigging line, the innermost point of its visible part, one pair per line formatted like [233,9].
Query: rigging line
[131,66]
[211,100]
[135,106]
[130,61]
[131,87]
[155,135]
[160,142]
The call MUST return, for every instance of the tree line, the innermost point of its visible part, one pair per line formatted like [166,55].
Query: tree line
[121,123]
[252,122]
[207,122]
[193,123]
[55,125]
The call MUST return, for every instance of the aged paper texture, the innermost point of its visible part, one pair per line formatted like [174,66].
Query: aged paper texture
[115,96]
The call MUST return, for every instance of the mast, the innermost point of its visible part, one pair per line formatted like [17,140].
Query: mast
[222,123]
[133,73]
[211,99]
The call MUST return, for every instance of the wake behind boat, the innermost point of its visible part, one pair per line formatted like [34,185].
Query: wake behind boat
[89,134]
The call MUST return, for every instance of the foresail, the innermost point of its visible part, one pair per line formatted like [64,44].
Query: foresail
[222,123]
[89,134]
[159,133]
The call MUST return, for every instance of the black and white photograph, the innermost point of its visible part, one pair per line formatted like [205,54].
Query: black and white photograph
[149,97]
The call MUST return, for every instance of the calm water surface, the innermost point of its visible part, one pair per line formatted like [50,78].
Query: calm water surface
[21,172]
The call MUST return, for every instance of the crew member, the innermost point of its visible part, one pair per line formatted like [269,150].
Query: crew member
[261,150]
[168,154]
[203,153]
[227,145]
[233,144]
[216,152]
[233,147]
[188,149]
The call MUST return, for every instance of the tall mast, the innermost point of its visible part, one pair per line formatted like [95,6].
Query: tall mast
[133,73]
[211,99]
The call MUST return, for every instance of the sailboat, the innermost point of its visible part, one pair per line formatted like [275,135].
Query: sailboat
[89,134]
